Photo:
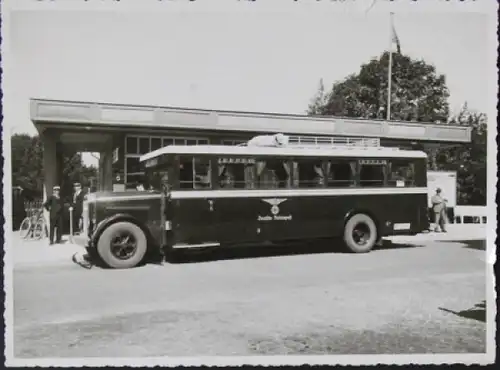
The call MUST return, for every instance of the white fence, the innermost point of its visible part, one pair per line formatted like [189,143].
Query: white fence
[470,215]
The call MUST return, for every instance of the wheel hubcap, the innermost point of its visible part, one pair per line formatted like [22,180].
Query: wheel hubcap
[361,234]
[123,245]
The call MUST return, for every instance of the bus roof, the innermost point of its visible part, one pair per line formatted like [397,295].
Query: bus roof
[368,152]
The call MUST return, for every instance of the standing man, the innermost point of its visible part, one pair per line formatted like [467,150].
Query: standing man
[439,211]
[77,206]
[54,205]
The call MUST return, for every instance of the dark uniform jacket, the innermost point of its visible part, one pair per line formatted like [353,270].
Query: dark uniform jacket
[78,203]
[54,206]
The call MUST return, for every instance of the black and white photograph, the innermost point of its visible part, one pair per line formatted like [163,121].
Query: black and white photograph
[249,182]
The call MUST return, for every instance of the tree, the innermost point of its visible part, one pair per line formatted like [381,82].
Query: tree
[27,162]
[318,102]
[469,160]
[27,165]
[418,93]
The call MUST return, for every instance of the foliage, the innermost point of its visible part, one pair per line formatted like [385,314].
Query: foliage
[27,162]
[469,160]
[27,166]
[319,101]
[418,92]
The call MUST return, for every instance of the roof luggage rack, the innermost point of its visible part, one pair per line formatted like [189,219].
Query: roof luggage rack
[316,142]
[332,142]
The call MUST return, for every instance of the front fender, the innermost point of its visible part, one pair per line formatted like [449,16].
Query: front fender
[119,217]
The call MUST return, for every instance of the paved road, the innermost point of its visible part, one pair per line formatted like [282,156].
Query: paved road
[426,299]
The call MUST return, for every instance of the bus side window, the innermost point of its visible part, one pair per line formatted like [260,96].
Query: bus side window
[250,176]
[341,173]
[186,172]
[401,173]
[309,174]
[372,173]
[232,175]
[236,173]
[202,173]
[273,174]
[226,178]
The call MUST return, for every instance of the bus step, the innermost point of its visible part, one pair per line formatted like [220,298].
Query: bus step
[202,245]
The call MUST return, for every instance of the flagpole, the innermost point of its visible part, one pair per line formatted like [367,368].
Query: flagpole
[389,74]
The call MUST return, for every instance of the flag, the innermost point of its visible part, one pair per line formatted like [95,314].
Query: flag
[395,38]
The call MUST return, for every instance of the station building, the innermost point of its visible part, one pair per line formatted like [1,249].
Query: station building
[122,133]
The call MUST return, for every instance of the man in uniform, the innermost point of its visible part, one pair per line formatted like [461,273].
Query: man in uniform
[54,205]
[439,211]
[77,206]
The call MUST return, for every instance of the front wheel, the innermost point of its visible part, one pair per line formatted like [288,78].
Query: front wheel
[122,245]
[25,228]
[360,233]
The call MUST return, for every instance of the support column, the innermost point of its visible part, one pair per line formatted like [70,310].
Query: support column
[106,168]
[52,164]
[59,165]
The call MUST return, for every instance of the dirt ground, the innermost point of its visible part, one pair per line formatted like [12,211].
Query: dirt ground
[300,300]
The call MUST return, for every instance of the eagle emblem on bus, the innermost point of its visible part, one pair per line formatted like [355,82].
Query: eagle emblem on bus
[274,203]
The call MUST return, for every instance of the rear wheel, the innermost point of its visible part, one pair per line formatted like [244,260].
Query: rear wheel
[25,228]
[360,233]
[122,245]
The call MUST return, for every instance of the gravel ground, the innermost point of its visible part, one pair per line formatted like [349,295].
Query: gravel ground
[425,299]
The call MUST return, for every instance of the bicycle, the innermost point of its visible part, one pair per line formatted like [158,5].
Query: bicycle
[33,226]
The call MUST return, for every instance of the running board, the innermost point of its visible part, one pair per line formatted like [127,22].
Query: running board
[203,245]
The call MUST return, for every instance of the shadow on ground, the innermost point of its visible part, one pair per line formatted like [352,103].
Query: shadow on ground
[267,250]
[199,255]
[252,251]
[474,244]
[477,312]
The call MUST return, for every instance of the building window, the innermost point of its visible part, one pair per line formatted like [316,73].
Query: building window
[232,142]
[155,143]
[167,141]
[144,145]
[133,165]
[131,145]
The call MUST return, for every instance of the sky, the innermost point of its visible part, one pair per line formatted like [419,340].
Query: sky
[265,62]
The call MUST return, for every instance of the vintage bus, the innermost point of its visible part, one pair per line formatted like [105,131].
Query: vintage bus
[215,195]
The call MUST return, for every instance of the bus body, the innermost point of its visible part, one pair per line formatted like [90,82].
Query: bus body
[211,195]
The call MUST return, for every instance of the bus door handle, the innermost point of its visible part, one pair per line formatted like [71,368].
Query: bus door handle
[211,205]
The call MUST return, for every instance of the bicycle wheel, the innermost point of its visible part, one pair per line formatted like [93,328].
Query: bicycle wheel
[25,228]
[39,231]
